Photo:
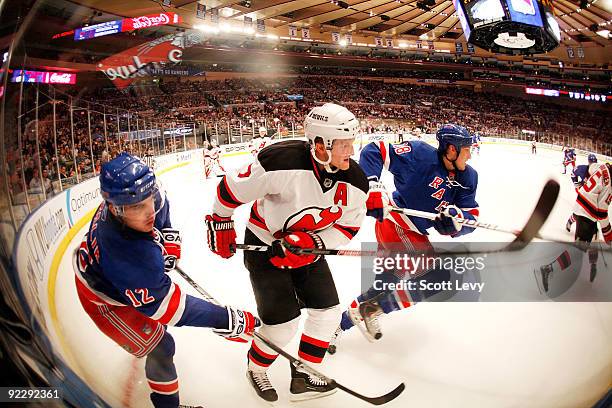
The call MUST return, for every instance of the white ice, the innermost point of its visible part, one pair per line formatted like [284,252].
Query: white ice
[448,354]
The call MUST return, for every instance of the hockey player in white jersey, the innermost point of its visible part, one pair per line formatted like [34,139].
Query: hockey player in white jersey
[591,207]
[212,160]
[260,141]
[306,195]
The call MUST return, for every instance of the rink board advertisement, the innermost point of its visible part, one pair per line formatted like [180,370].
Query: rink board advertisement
[37,242]
[45,235]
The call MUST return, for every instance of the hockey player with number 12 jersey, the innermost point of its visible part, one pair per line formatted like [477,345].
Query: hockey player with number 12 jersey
[122,283]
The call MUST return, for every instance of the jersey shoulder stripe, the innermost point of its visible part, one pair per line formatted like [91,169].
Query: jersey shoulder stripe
[286,155]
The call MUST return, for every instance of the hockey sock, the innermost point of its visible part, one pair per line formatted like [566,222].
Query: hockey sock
[261,356]
[260,360]
[318,330]
[346,322]
[563,260]
[161,374]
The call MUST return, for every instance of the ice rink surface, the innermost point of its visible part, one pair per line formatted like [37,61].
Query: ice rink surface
[545,354]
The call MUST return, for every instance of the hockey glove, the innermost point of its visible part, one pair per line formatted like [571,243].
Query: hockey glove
[378,201]
[172,248]
[240,327]
[284,251]
[221,235]
[445,224]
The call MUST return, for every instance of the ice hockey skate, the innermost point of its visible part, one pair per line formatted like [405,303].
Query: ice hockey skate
[306,386]
[365,316]
[262,385]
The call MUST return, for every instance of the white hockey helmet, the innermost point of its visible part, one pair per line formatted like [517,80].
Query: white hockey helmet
[329,122]
[263,130]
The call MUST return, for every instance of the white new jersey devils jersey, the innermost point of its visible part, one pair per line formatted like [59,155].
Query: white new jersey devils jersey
[595,195]
[215,153]
[292,193]
[258,143]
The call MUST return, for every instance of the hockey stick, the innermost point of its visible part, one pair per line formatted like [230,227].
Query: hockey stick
[383,399]
[543,208]
[538,217]
[464,222]
[308,251]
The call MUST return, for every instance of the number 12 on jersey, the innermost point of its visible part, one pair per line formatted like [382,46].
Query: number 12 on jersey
[144,296]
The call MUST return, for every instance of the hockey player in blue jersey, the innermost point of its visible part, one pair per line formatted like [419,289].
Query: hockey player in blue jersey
[426,179]
[579,176]
[476,143]
[121,278]
[569,157]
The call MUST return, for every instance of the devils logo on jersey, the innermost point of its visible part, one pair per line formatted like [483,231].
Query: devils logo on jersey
[247,172]
[313,219]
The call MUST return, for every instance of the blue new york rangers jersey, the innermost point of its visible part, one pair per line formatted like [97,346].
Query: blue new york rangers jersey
[580,174]
[125,267]
[569,155]
[421,181]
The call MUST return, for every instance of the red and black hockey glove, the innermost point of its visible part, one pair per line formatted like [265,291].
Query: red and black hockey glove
[240,327]
[172,248]
[378,201]
[284,251]
[221,235]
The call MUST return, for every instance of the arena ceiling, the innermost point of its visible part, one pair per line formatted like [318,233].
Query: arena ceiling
[426,19]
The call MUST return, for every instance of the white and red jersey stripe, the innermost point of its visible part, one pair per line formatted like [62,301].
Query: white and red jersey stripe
[172,306]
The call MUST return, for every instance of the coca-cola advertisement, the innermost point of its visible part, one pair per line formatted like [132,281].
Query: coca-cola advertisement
[61,78]
[150,20]
[43,77]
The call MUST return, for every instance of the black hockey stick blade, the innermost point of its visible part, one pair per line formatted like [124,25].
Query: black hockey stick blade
[540,214]
[383,399]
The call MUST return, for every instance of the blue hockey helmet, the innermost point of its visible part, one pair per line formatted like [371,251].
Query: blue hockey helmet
[126,180]
[592,158]
[454,135]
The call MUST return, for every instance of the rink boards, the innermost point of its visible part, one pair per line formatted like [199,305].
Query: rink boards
[47,235]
